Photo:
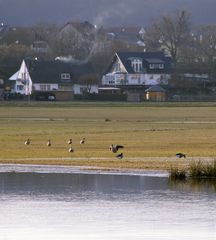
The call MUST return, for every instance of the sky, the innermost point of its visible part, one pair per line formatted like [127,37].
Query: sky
[102,12]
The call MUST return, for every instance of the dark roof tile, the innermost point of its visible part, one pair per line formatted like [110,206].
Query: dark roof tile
[147,57]
[50,71]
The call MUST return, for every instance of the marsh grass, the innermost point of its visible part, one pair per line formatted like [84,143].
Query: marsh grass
[202,170]
[177,174]
[195,170]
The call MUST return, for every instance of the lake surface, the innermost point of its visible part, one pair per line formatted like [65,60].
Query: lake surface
[69,204]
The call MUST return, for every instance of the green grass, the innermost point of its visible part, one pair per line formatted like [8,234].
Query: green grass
[147,130]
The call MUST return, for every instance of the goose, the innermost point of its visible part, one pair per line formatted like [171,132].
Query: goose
[27,142]
[70,141]
[49,143]
[70,150]
[180,155]
[82,141]
[115,148]
[120,156]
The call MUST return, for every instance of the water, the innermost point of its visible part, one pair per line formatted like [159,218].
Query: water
[89,205]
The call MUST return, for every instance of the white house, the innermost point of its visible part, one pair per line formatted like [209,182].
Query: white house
[22,80]
[51,77]
[138,69]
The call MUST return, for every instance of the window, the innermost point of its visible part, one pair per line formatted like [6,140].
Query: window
[45,87]
[19,87]
[161,66]
[83,89]
[136,65]
[111,82]
[117,67]
[65,76]
[156,66]
[152,66]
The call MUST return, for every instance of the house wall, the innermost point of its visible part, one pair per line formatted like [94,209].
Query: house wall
[45,86]
[118,67]
[19,87]
[23,78]
[79,89]
[155,96]
[113,79]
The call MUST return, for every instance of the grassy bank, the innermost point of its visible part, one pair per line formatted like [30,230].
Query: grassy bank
[151,132]
[195,170]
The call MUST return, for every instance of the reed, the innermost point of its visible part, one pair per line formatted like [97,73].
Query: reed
[177,174]
[196,170]
[200,170]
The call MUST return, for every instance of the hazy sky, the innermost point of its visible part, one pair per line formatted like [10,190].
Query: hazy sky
[101,12]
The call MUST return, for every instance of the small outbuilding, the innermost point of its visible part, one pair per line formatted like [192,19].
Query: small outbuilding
[155,93]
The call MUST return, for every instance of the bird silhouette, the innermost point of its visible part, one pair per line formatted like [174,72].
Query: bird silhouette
[115,148]
[82,141]
[180,155]
[49,143]
[120,156]
[70,141]
[27,142]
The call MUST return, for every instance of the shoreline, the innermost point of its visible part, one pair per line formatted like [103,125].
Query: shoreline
[111,164]
[61,169]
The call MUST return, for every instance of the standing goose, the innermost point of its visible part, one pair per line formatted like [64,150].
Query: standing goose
[49,143]
[70,150]
[82,141]
[115,148]
[27,142]
[70,141]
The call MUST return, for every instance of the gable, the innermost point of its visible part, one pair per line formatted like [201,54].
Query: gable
[117,67]
[23,73]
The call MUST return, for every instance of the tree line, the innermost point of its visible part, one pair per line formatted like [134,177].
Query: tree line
[192,47]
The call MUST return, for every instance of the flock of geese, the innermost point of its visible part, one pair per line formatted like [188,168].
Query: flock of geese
[113,148]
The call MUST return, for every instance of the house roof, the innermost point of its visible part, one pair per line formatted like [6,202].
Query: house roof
[14,76]
[146,57]
[155,88]
[127,34]
[50,71]
[84,28]
[154,60]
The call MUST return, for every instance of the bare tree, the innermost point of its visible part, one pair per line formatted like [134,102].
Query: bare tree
[170,32]
[205,43]
[89,80]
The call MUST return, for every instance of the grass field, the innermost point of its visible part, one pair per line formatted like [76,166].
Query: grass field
[151,132]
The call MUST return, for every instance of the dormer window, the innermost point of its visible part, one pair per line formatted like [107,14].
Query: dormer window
[136,64]
[65,76]
[161,66]
[156,66]
[117,67]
